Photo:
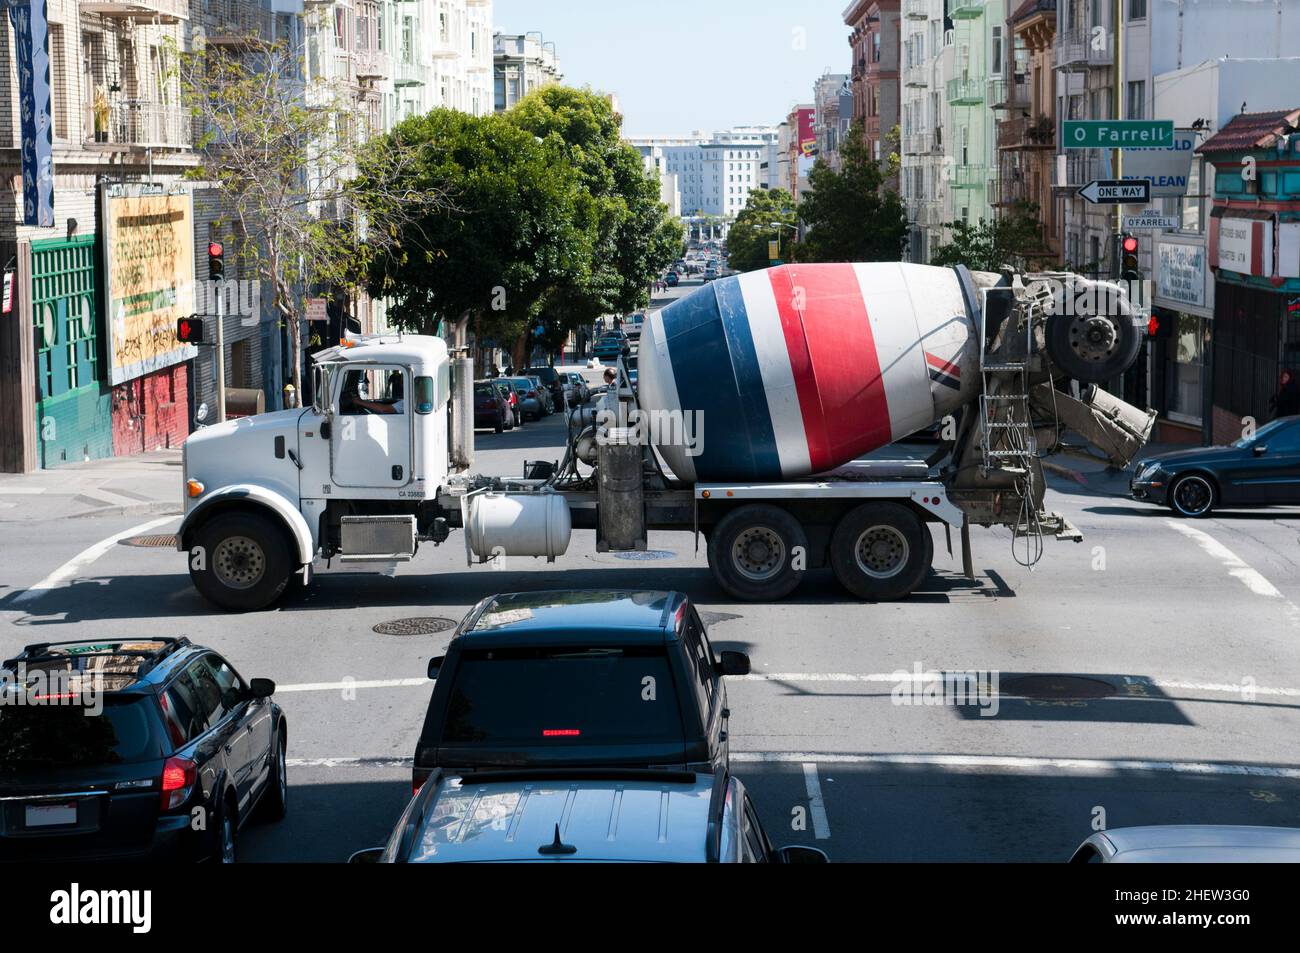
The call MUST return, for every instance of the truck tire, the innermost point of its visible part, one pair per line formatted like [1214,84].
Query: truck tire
[753,550]
[246,563]
[881,551]
[1094,348]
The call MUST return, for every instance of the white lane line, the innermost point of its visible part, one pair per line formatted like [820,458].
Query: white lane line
[21,490]
[816,803]
[347,685]
[1227,688]
[1237,567]
[76,564]
[1090,766]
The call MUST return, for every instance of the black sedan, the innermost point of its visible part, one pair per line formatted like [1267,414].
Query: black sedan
[1259,470]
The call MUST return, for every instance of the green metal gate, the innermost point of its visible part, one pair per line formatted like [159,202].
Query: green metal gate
[74,419]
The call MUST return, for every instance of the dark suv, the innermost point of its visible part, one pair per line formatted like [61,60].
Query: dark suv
[150,749]
[582,679]
[550,379]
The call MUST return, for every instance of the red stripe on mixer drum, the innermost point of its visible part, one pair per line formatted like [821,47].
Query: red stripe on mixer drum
[833,357]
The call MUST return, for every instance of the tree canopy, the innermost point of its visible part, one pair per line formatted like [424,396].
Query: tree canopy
[1011,239]
[767,215]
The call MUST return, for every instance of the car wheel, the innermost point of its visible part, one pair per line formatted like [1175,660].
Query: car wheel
[245,564]
[754,552]
[1192,496]
[500,425]
[881,551]
[275,803]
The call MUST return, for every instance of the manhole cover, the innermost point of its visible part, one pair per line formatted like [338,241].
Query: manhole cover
[1056,687]
[421,626]
[646,555]
[151,542]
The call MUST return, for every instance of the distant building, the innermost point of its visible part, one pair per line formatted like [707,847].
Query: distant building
[831,121]
[875,39]
[522,63]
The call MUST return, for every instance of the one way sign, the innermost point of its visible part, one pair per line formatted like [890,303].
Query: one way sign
[1117,191]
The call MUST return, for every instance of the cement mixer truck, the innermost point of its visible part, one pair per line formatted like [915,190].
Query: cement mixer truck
[758,422]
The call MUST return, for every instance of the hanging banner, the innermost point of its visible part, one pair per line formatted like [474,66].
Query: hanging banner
[807,133]
[32,62]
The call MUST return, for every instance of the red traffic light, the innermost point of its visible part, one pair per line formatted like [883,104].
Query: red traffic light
[215,250]
[1130,245]
[1153,326]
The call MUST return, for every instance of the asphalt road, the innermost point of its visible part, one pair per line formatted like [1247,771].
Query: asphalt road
[1192,629]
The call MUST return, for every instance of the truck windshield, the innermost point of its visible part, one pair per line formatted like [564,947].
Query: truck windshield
[555,696]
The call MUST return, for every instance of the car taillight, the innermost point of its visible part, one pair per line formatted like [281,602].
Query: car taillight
[561,732]
[179,776]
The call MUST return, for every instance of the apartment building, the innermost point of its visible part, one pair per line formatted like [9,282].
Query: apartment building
[713,174]
[875,36]
[522,63]
[833,102]
[926,60]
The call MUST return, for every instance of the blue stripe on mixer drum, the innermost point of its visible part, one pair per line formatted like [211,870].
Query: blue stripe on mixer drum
[716,369]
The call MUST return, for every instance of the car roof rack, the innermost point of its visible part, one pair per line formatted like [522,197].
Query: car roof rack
[40,651]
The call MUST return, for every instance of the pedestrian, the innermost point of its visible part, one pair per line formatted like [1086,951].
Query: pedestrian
[1286,402]
[610,375]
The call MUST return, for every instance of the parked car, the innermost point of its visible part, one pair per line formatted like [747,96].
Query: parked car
[543,392]
[511,396]
[554,384]
[581,389]
[532,403]
[583,815]
[180,736]
[560,679]
[1260,470]
[490,409]
[1191,844]
[630,363]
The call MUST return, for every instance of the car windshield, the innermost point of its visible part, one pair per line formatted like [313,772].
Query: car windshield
[71,735]
[1263,433]
[563,696]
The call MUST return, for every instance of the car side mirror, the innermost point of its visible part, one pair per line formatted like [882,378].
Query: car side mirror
[732,663]
[1261,450]
[371,855]
[261,688]
[435,665]
[802,855]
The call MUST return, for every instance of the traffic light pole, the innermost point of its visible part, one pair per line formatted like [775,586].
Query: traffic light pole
[221,355]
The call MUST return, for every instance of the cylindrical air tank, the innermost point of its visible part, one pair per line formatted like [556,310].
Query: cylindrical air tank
[795,370]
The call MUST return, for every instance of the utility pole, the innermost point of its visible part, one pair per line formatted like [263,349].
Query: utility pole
[1117,154]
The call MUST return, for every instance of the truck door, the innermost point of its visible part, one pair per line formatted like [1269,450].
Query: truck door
[371,442]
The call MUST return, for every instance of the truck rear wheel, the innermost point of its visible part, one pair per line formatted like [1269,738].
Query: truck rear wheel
[245,562]
[754,551]
[881,551]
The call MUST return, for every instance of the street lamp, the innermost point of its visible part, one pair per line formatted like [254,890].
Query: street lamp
[778,226]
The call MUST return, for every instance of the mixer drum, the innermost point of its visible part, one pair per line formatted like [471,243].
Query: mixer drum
[798,369]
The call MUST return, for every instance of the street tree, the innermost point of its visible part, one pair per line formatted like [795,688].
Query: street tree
[768,215]
[1013,239]
[851,215]
[312,202]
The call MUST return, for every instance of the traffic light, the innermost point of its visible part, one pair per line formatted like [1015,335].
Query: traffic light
[1128,269]
[216,261]
[189,331]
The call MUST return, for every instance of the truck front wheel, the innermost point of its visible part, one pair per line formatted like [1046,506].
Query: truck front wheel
[758,553]
[242,563]
[881,551]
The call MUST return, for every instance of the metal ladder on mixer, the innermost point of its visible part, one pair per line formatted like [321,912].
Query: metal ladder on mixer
[1006,428]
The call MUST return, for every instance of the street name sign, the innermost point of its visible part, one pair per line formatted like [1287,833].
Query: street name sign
[1117,133]
[1150,219]
[1117,192]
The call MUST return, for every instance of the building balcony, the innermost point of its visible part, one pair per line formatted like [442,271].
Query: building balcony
[1002,93]
[916,145]
[966,9]
[141,11]
[130,124]
[1074,169]
[231,22]
[965,92]
[374,64]
[916,9]
[1021,132]
[344,67]
[916,76]
[408,74]
[927,213]
[970,177]
[1081,49]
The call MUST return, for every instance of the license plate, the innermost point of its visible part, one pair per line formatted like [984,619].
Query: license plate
[51,815]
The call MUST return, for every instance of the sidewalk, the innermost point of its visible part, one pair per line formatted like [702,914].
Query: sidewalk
[118,486]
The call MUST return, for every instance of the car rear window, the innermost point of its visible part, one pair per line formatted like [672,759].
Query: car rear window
[123,733]
[563,696]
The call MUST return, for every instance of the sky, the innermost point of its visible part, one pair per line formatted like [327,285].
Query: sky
[683,65]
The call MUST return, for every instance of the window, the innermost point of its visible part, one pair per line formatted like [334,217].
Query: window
[1185,361]
[753,848]
[231,685]
[372,390]
[1137,100]
[1137,9]
[995,61]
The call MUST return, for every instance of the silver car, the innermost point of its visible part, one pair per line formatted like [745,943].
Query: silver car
[586,815]
[1191,844]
